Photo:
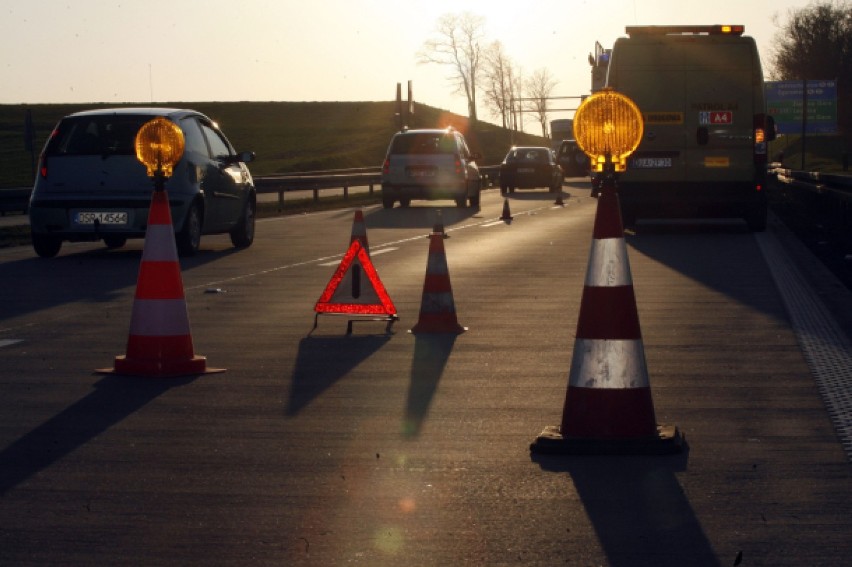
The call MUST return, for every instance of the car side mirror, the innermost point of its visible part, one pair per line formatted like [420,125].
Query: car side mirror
[245,157]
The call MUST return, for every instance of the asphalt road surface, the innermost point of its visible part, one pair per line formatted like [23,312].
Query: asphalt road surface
[400,449]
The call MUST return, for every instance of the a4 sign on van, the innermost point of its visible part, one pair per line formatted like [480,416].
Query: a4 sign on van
[716,117]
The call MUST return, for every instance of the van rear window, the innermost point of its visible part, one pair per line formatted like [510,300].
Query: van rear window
[96,135]
[688,52]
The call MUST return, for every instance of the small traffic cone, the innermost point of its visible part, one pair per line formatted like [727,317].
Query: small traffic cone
[437,308]
[608,407]
[359,230]
[438,227]
[507,216]
[160,342]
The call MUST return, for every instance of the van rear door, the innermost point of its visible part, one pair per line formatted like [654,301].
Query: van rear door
[719,110]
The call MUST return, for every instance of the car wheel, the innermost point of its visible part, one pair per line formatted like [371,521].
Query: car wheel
[756,219]
[461,202]
[115,241]
[474,199]
[503,189]
[243,234]
[189,238]
[45,245]
[387,202]
[404,202]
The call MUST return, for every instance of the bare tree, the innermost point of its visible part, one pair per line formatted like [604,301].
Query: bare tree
[816,43]
[458,45]
[539,87]
[499,84]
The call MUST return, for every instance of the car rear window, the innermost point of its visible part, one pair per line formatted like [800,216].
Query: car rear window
[421,143]
[527,155]
[96,135]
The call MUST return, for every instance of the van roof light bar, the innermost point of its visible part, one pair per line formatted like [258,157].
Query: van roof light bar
[725,29]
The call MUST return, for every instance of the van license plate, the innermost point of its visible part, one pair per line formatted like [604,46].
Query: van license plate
[421,172]
[651,163]
[84,217]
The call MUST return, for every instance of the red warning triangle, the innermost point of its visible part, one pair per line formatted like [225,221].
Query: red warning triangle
[355,287]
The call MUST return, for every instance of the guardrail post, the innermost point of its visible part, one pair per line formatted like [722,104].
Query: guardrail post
[316,194]
[346,191]
[280,200]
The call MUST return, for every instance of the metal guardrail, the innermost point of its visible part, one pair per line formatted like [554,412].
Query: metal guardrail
[826,198]
[17,199]
[338,179]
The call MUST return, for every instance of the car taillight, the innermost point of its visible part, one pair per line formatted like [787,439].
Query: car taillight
[386,166]
[43,157]
[459,168]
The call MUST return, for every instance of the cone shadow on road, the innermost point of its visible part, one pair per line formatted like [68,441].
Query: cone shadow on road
[114,398]
[431,352]
[322,361]
[637,507]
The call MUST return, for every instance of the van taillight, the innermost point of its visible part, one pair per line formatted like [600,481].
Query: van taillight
[459,169]
[386,166]
[759,139]
[43,168]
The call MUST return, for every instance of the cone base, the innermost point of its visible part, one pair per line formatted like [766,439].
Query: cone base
[668,440]
[195,366]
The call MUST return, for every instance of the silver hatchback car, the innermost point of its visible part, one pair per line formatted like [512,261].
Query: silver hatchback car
[90,186]
[430,164]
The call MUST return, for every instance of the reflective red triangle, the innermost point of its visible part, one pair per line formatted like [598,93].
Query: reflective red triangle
[364,293]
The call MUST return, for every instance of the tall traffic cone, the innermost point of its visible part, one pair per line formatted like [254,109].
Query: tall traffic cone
[160,342]
[608,407]
[437,308]
[506,216]
[359,230]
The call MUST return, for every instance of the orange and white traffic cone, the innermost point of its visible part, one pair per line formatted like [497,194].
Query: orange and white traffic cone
[507,215]
[359,230]
[608,407]
[437,308]
[160,342]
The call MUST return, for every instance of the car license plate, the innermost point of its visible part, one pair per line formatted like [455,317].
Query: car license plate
[421,172]
[526,170]
[110,218]
[651,163]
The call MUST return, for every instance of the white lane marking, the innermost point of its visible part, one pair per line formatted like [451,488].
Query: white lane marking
[9,342]
[217,283]
[373,253]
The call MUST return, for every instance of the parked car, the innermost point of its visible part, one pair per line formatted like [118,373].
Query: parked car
[530,167]
[573,161]
[430,164]
[90,186]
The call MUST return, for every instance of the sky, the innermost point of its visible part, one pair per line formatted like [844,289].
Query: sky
[79,51]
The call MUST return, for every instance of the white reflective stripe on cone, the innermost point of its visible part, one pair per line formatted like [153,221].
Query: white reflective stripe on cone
[600,363]
[159,244]
[608,263]
[159,318]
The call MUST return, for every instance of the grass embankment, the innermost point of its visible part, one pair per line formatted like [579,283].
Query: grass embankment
[287,137]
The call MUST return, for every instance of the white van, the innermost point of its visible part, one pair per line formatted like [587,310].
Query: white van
[703,153]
